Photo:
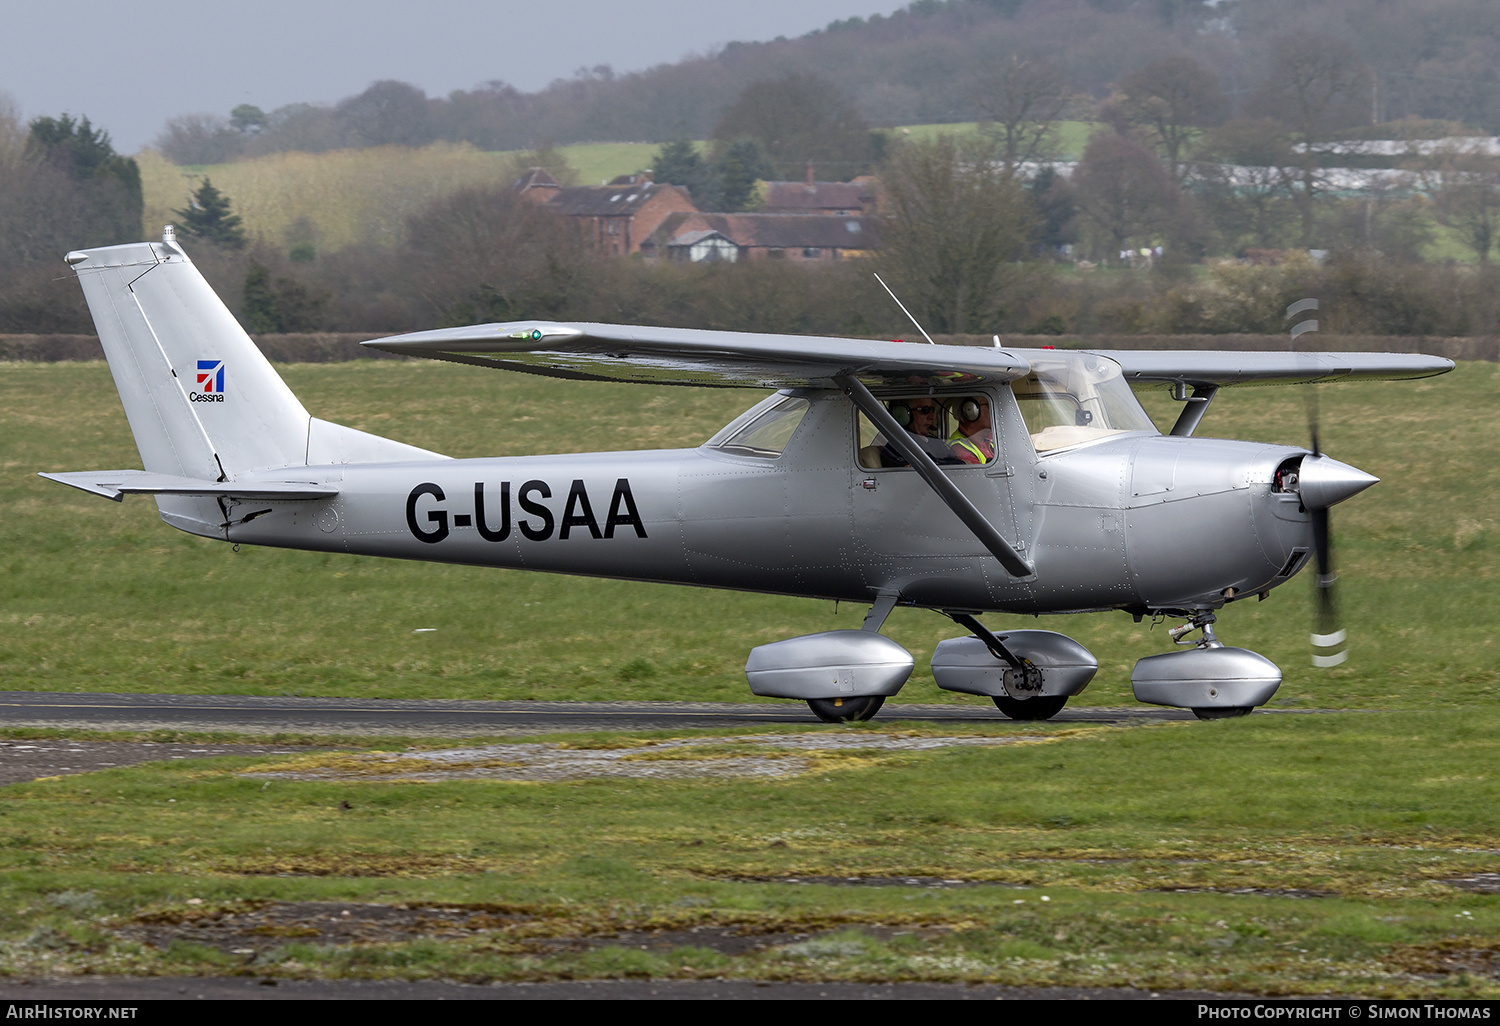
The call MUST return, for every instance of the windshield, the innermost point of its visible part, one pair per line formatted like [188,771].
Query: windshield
[1072,399]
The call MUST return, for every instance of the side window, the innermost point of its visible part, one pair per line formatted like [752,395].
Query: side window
[953,430]
[766,436]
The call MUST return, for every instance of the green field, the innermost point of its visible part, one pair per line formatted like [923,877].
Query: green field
[1276,854]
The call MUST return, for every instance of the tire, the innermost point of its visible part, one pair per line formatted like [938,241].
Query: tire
[1042,707]
[846,710]
[1225,713]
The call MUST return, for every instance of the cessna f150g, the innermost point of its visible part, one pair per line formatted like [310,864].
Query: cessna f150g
[957,479]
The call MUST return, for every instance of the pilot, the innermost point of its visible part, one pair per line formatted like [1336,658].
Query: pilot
[972,441]
[920,418]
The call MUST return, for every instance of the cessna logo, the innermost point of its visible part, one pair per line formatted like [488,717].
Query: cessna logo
[210,382]
[492,513]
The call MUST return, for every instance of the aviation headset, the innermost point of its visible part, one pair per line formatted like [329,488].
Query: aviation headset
[967,410]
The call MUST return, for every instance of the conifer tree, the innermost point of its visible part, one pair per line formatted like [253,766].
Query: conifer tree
[208,217]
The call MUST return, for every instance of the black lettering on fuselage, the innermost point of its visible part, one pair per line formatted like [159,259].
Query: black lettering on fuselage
[622,511]
[578,500]
[479,519]
[578,511]
[536,509]
[437,516]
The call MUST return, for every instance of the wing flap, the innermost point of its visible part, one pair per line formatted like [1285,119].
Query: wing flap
[116,484]
[722,359]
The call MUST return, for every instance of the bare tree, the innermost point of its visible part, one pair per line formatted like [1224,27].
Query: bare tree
[1318,87]
[1020,102]
[1125,193]
[389,113]
[799,118]
[12,133]
[955,232]
[1247,169]
[299,126]
[1172,100]
[484,254]
[1465,189]
[200,139]
[547,157]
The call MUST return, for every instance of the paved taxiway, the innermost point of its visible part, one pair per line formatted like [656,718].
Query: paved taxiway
[458,719]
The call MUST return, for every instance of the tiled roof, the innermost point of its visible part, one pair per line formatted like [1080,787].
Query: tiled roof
[799,196]
[603,200]
[537,177]
[689,238]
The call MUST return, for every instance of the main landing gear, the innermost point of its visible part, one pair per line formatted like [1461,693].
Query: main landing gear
[1028,674]
[1038,707]
[846,710]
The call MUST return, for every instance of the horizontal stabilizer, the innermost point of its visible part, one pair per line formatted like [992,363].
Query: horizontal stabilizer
[116,484]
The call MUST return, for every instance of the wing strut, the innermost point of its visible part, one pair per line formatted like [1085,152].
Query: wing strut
[995,645]
[946,490]
[1196,406]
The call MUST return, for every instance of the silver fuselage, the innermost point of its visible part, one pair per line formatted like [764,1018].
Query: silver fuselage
[1138,521]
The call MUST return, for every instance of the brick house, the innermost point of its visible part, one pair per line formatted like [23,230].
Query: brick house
[617,217]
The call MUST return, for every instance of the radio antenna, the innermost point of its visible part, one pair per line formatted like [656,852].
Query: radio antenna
[904,309]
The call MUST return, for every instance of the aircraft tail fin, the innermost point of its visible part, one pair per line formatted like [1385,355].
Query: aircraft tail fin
[202,401]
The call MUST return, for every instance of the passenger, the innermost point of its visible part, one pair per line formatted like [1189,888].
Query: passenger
[973,441]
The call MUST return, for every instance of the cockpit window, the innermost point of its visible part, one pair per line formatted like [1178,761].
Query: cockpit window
[952,429]
[1076,399]
[766,432]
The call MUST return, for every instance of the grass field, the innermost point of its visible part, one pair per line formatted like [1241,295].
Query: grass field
[1275,854]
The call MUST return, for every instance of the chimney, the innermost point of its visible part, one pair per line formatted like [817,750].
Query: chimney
[809,174]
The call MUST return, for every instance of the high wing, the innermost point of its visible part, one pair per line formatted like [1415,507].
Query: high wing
[731,359]
[724,359]
[1217,368]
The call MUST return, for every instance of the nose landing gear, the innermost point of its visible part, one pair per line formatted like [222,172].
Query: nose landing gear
[1214,681]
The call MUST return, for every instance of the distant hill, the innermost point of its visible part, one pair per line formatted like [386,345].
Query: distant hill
[1427,58]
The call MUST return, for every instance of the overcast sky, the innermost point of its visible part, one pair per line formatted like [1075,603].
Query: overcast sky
[131,66]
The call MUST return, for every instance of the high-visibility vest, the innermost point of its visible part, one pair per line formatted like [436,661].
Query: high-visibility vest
[983,450]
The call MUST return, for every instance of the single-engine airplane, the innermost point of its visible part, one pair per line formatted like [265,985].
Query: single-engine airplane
[952,478]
